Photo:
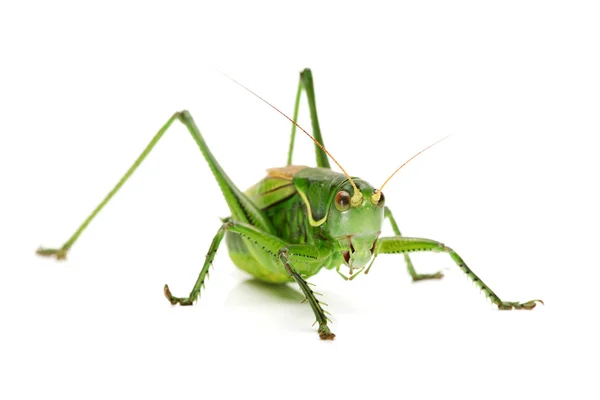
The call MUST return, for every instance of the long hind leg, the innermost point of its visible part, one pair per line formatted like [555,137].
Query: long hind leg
[306,84]
[241,207]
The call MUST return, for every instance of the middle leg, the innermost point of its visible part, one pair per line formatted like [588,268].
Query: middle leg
[409,265]
[289,255]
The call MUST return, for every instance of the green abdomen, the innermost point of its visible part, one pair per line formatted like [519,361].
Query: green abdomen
[288,216]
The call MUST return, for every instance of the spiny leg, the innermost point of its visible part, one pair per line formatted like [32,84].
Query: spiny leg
[306,83]
[285,255]
[288,255]
[391,245]
[409,265]
[212,251]
[241,207]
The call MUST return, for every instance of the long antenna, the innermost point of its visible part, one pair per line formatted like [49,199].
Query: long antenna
[377,194]
[356,198]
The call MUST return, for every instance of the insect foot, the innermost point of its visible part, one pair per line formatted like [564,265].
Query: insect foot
[60,254]
[325,333]
[423,277]
[176,300]
[509,305]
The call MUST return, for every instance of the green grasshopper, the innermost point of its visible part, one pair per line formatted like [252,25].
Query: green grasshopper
[298,220]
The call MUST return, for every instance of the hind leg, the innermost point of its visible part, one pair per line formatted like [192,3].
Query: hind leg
[241,207]
[306,84]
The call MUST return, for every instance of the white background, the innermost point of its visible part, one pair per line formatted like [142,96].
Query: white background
[84,88]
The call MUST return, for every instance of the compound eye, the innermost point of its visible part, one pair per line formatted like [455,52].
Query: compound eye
[380,201]
[342,200]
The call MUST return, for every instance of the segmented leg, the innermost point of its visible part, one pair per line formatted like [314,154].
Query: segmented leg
[242,209]
[306,83]
[391,245]
[409,265]
[287,254]
[290,255]
[212,251]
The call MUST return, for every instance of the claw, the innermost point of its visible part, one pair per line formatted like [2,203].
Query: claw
[184,301]
[531,304]
[169,296]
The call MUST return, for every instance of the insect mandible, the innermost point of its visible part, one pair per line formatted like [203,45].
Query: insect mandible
[298,220]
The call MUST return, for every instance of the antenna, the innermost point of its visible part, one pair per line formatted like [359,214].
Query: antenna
[376,196]
[357,197]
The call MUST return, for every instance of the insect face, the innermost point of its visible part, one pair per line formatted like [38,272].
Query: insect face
[356,228]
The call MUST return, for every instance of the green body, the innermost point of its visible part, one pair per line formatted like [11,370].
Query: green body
[286,203]
[297,221]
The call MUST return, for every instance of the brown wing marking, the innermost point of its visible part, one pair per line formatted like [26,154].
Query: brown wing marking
[277,186]
[286,172]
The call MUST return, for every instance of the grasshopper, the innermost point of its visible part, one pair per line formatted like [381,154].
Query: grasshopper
[298,220]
